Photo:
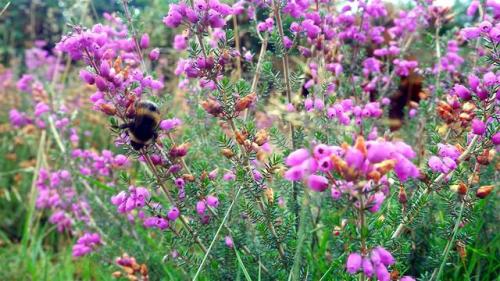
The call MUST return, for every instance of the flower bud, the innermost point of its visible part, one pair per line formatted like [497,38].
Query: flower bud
[245,102]
[144,43]
[353,263]
[402,195]
[212,107]
[228,153]
[108,108]
[154,54]
[188,177]
[484,191]
[261,137]
[462,188]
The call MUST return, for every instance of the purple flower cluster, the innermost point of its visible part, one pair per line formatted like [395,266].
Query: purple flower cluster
[484,29]
[86,244]
[452,61]
[57,194]
[480,88]
[346,111]
[371,161]
[114,65]
[203,14]
[375,263]
[92,163]
[447,159]
[136,198]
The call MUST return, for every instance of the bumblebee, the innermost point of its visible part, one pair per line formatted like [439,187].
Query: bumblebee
[142,129]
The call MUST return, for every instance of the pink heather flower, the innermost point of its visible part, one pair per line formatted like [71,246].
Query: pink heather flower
[321,150]
[229,176]
[24,84]
[295,173]
[375,258]
[367,267]
[412,113]
[495,139]
[385,256]
[407,278]
[87,76]
[470,33]
[325,164]
[308,104]
[17,118]
[86,244]
[287,43]
[485,26]
[144,43]
[379,151]
[448,150]
[173,214]
[200,207]
[449,165]
[170,124]
[474,81]
[154,54]
[353,263]
[471,11]
[297,157]
[435,163]
[490,79]
[405,169]
[382,273]
[180,42]
[317,183]
[149,222]
[376,201]
[336,194]
[319,104]
[41,108]
[494,34]
[462,92]
[180,183]
[212,201]
[354,158]
[213,174]
[120,160]
[229,241]
[248,56]
[478,127]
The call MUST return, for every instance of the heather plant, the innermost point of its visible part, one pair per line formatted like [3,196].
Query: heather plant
[296,140]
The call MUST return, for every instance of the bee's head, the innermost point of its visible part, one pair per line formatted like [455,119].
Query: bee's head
[145,107]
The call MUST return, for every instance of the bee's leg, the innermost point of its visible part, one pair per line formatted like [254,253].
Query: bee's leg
[155,136]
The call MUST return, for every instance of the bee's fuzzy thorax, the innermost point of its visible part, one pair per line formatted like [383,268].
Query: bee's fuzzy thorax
[148,109]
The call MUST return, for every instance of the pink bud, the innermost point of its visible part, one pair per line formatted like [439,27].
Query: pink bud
[353,263]
[478,127]
[367,267]
[173,214]
[229,241]
[382,273]
[200,207]
[385,256]
[154,54]
[212,201]
[297,157]
[317,183]
[144,41]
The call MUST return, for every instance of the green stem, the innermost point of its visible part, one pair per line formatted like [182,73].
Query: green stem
[450,242]
[217,234]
